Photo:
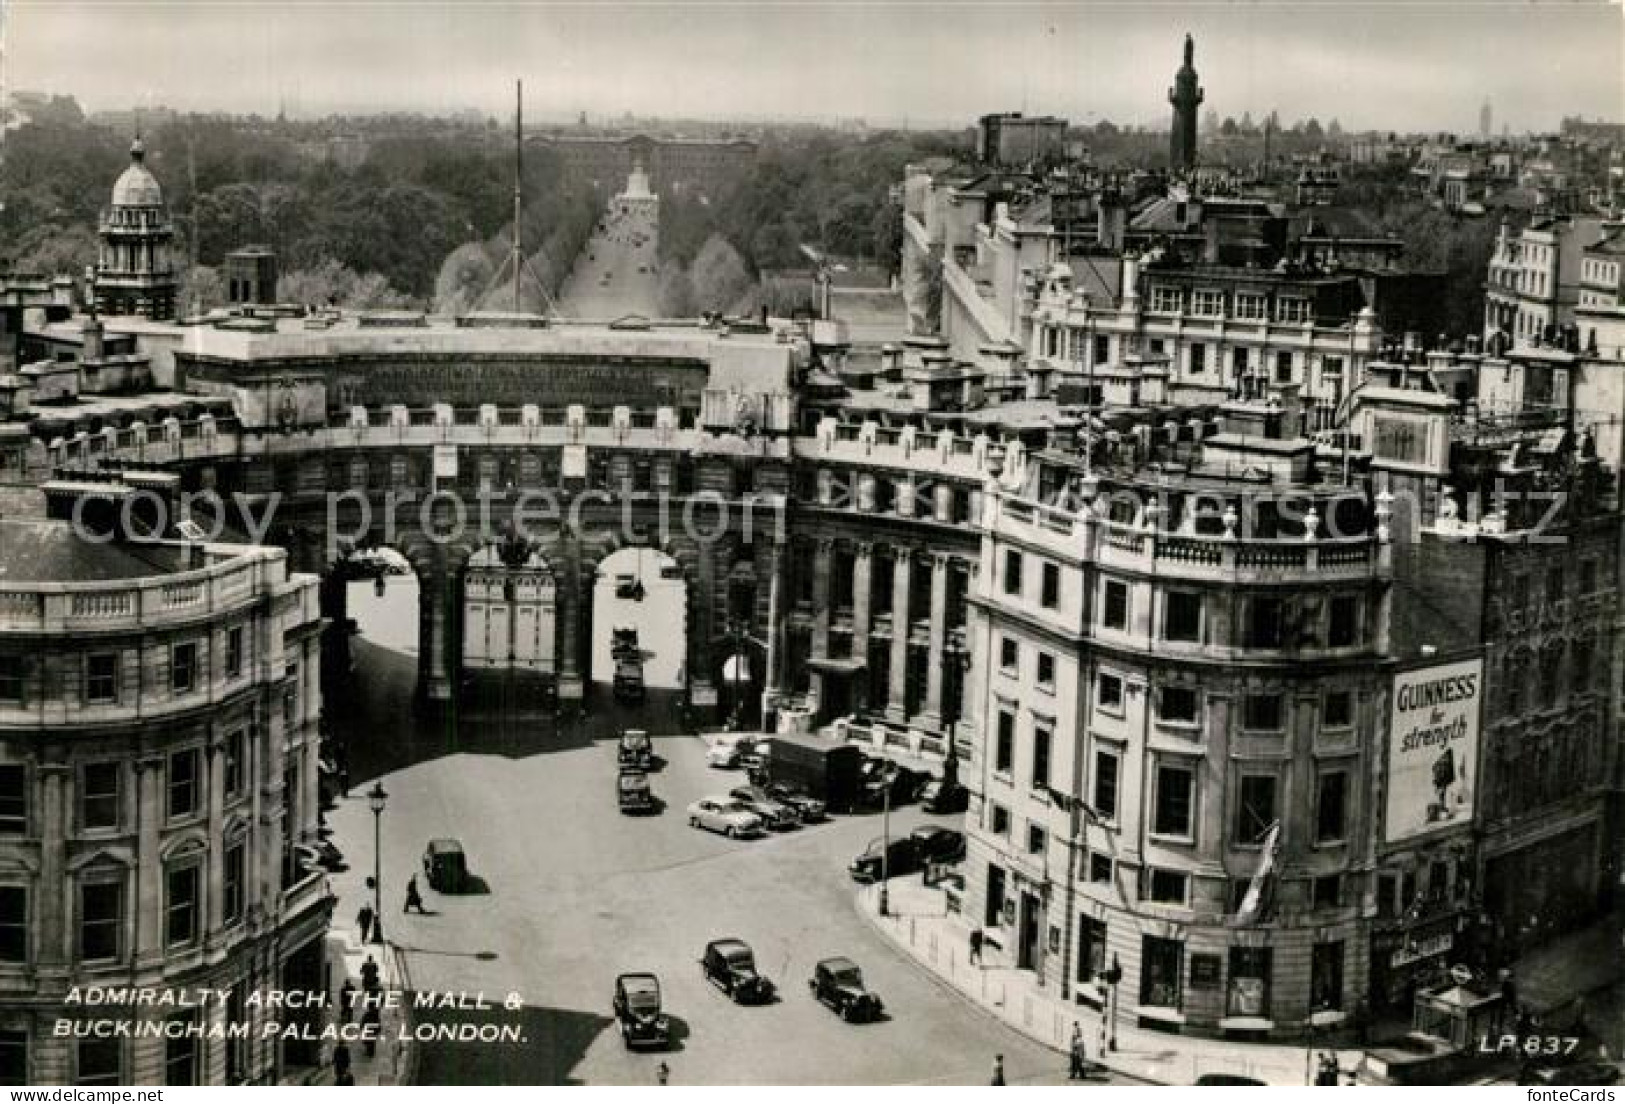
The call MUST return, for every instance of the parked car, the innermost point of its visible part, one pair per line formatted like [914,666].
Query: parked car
[730,965]
[901,856]
[775,814]
[1227,1079]
[839,983]
[723,756]
[939,845]
[633,793]
[637,1009]
[635,750]
[445,867]
[725,815]
[627,685]
[807,807]
[941,798]
[880,776]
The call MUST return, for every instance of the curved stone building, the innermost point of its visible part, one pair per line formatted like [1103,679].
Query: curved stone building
[158,765]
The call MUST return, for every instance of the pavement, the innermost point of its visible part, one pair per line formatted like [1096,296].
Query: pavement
[919,924]
[569,893]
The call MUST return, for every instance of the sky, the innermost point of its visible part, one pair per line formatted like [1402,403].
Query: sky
[1372,64]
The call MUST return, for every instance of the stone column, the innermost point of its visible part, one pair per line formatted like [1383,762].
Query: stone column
[897,700]
[433,643]
[939,637]
[570,612]
[702,629]
[214,773]
[55,828]
[148,941]
[823,568]
[862,565]
[773,677]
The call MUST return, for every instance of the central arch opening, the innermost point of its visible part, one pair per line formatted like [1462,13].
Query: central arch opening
[640,622]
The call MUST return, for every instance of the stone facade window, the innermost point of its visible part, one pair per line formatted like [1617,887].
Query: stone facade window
[99,1062]
[13,670]
[1041,757]
[184,793]
[101,919]
[13,923]
[14,1058]
[1173,812]
[1255,808]
[1207,304]
[101,800]
[1110,691]
[1178,705]
[1331,806]
[101,677]
[1107,766]
[183,668]
[1261,712]
[1004,747]
[234,652]
[183,897]
[1167,887]
[233,881]
[1114,607]
[13,799]
[1182,616]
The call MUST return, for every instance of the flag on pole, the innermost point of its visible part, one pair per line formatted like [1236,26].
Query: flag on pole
[1254,904]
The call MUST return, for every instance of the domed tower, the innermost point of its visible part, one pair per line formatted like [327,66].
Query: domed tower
[134,274]
[1186,96]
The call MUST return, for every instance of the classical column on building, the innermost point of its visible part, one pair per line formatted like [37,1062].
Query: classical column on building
[936,657]
[149,867]
[862,565]
[433,638]
[773,676]
[823,568]
[214,768]
[702,689]
[56,826]
[570,612]
[897,694]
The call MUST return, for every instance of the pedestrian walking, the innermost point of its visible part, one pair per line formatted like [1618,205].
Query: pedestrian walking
[414,899]
[663,1074]
[346,1000]
[1079,1053]
[363,920]
[976,946]
[1328,1072]
[341,1060]
[998,1069]
[369,975]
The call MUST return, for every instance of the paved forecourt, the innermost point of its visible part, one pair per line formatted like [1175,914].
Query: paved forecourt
[578,893]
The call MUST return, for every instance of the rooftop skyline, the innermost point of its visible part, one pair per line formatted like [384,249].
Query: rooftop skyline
[1380,65]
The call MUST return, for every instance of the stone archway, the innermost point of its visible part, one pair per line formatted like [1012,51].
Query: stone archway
[643,589]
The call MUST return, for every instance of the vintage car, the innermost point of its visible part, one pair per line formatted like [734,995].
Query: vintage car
[939,845]
[880,859]
[632,792]
[941,798]
[635,751]
[445,867]
[839,983]
[730,965]
[774,813]
[725,815]
[637,1010]
[807,807]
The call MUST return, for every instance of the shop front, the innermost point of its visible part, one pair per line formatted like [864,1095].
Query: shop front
[1409,956]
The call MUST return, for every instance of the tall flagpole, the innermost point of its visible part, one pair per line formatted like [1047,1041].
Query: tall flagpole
[518,189]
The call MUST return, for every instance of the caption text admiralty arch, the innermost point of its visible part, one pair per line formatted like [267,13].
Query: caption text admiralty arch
[836,553]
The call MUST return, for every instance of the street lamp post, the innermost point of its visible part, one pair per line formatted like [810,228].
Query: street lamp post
[376,797]
[885,849]
[1113,976]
